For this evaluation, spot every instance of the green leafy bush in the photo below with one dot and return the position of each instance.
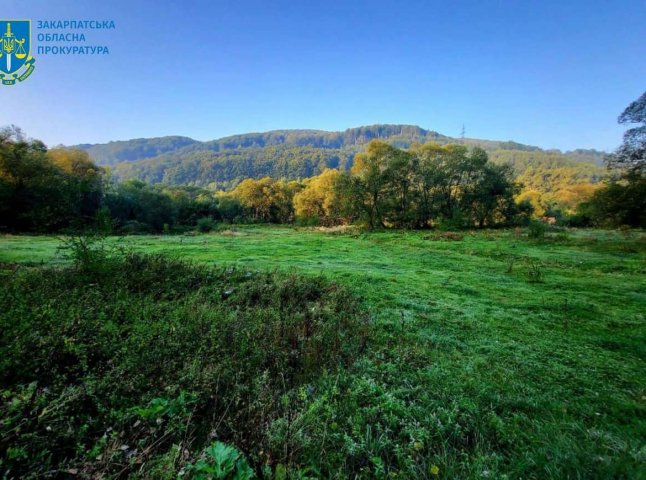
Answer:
(536, 230)
(206, 224)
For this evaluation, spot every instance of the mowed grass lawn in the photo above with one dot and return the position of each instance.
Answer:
(493, 355)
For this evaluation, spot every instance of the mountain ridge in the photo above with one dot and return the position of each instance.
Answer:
(302, 153)
(399, 134)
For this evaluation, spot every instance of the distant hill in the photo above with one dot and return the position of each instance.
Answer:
(222, 163)
(113, 153)
(225, 169)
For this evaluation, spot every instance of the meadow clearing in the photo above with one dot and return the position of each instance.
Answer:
(490, 354)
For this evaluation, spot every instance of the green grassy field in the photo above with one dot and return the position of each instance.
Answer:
(493, 355)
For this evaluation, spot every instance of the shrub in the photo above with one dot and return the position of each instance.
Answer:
(206, 224)
(90, 254)
(536, 230)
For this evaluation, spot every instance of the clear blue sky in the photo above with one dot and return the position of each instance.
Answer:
(549, 73)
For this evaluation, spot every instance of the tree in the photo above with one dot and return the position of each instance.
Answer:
(429, 183)
(623, 200)
(283, 193)
(32, 189)
(373, 171)
(267, 200)
(619, 203)
(256, 196)
(426, 179)
(444, 175)
(631, 155)
(491, 199)
(83, 182)
(401, 194)
(453, 173)
(318, 200)
(138, 207)
(229, 208)
(535, 199)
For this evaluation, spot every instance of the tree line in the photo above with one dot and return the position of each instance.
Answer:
(424, 186)
(45, 190)
(552, 181)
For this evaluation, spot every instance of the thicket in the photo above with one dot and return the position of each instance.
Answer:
(132, 365)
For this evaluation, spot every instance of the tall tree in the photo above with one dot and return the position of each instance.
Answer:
(32, 188)
(623, 200)
(491, 198)
(631, 155)
(83, 183)
(372, 170)
(318, 201)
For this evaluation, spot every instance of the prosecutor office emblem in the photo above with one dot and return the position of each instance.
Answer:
(16, 63)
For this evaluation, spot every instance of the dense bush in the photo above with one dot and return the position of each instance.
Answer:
(619, 203)
(205, 224)
(536, 230)
(126, 363)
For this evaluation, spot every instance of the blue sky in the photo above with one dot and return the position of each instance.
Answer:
(550, 73)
